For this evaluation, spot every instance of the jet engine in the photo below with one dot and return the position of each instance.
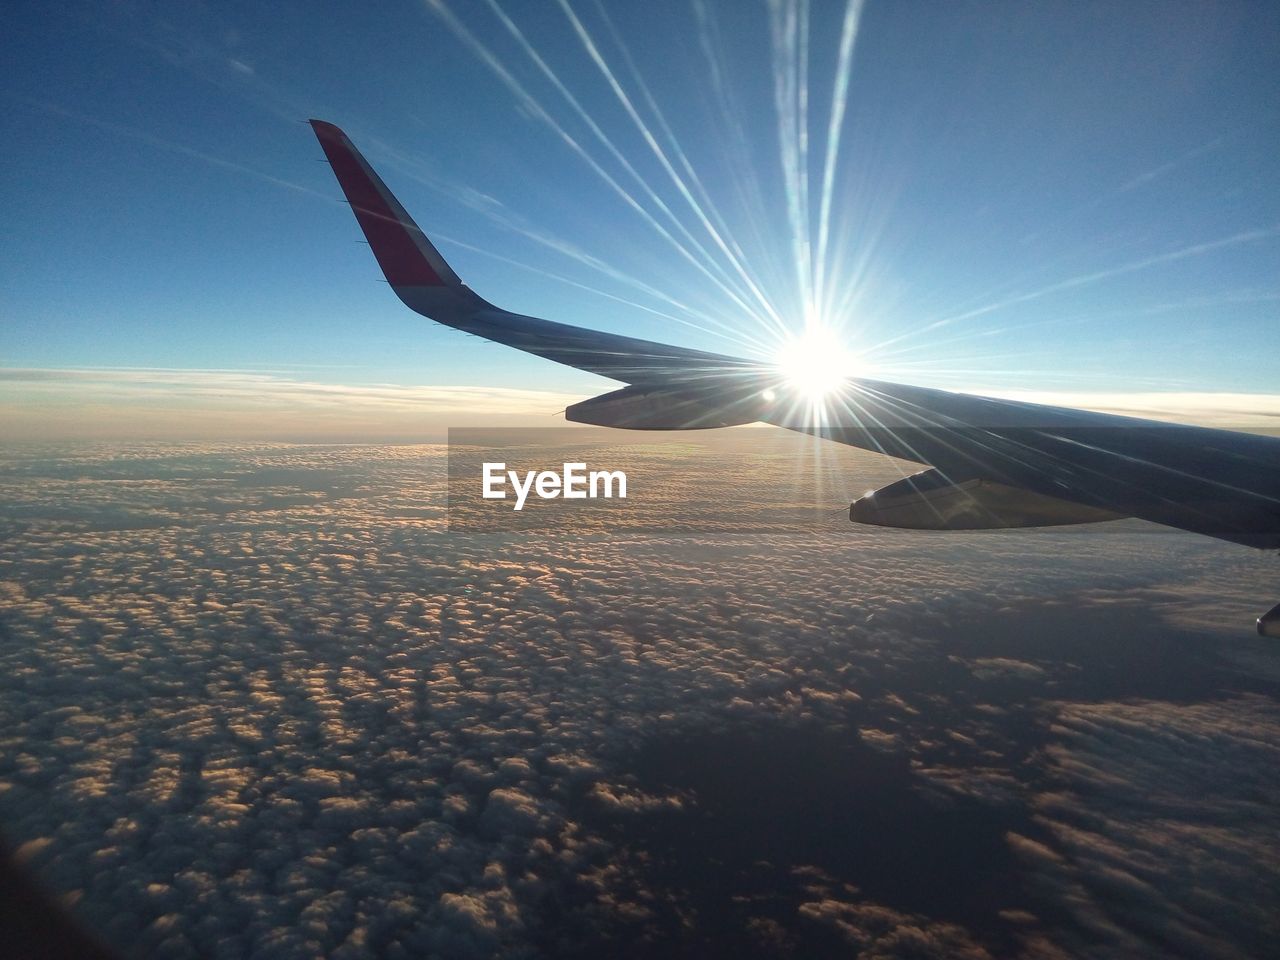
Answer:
(932, 500)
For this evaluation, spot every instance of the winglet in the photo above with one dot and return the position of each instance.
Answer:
(405, 254)
(424, 283)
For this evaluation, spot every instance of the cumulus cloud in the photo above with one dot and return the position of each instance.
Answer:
(880, 932)
(1161, 826)
(256, 700)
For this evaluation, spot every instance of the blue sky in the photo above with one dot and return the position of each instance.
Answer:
(1024, 196)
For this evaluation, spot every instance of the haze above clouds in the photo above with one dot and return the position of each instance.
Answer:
(305, 405)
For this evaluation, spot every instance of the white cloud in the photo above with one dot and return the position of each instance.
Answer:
(251, 699)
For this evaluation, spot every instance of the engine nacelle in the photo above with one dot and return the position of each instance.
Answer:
(1269, 622)
(933, 501)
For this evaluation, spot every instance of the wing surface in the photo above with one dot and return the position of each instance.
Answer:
(1221, 483)
(1216, 482)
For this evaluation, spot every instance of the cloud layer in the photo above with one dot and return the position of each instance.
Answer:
(257, 701)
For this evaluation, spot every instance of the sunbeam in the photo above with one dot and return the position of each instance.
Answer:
(788, 232)
(651, 141)
(545, 69)
(534, 106)
(717, 228)
(722, 326)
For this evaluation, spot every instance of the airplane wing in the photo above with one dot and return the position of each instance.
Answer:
(421, 278)
(993, 463)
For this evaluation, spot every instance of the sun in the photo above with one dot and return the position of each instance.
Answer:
(816, 363)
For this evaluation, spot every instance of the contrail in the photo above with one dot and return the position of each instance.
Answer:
(1156, 173)
(1247, 236)
(127, 131)
(1192, 303)
(718, 327)
(835, 125)
(788, 20)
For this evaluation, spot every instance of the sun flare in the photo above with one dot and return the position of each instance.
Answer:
(816, 363)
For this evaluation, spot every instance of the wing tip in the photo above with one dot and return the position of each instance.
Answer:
(402, 250)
